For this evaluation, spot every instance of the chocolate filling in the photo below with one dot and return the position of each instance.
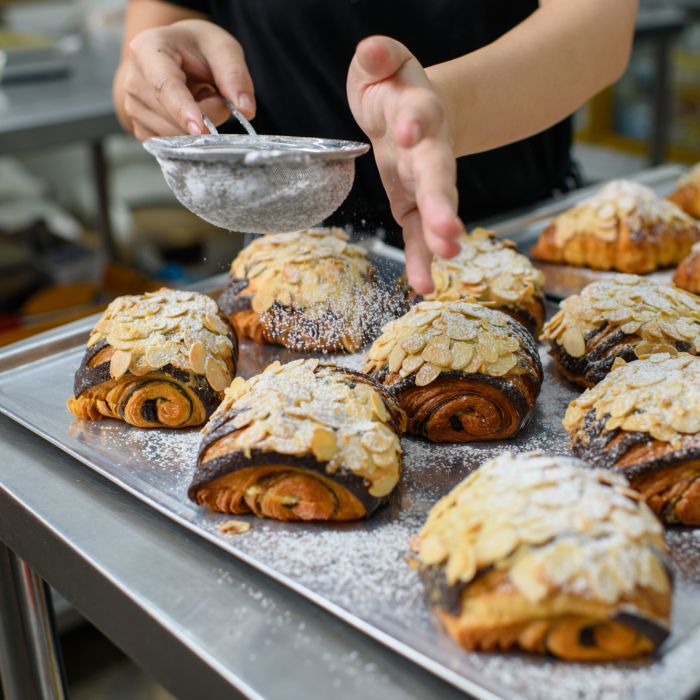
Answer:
(221, 426)
(439, 593)
(503, 385)
(586, 636)
(150, 407)
(298, 331)
(207, 472)
(605, 448)
(149, 411)
(231, 300)
(87, 377)
(597, 361)
(653, 630)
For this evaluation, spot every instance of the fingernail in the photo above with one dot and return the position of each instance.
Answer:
(246, 103)
(193, 128)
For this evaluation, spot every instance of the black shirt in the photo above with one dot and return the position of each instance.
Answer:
(298, 53)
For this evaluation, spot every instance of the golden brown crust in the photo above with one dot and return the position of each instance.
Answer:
(150, 401)
(643, 420)
(306, 290)
(490, 271)
(282, 493)
(544, 554)
(495, 616)
(322, 438)
(625, 227)
(627, 317)
(687, 274)
(462, 372)
(687, 193)
(157, 360)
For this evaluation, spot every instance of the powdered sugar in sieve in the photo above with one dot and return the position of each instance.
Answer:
(253, 183)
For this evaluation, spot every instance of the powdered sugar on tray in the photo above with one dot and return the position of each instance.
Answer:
(359, 570)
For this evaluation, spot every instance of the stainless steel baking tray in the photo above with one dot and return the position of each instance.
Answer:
(563, 280)
(357, 571)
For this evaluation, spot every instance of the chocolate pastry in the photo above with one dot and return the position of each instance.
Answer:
(159, 360)
(491, 271)
(625, 227)
(687, 274)
(628, 317)
(643, 420)
(462, 372)
(541, 553)
(308, 291)
(301, 441)
(687, 193)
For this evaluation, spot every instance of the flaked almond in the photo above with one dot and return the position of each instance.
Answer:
(198, 358)
(119, 364)
(573, 342)
(217, 374)
(427, 373)
(324, 444)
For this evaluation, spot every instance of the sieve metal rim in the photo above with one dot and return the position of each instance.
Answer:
(252, 151)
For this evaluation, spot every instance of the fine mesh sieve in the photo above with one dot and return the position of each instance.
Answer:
(254, 183)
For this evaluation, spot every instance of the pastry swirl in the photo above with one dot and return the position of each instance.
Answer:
(301, 441)
(687, 193)
(687, 274)
(462, 372)
(158, 360)
(643, 420)
(490, 271)
(624, 227)
(628, 317)
(541, 553)
(307, 291)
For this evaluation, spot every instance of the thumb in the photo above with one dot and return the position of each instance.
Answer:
(377, 58)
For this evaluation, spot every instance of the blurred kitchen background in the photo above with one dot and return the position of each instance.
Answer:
(85, 214)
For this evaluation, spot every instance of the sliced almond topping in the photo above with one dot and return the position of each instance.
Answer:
(323, 444)
(217, 374)
(119, 363)
(198, 358)
(573, 342)
(427, 373)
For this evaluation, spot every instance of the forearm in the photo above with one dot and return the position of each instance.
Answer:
(536, 74)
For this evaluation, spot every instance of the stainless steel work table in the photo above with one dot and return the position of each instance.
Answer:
(202, 623)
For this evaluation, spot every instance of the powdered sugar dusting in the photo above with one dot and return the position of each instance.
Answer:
(359, 569)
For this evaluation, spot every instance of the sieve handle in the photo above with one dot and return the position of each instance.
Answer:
(241, 119)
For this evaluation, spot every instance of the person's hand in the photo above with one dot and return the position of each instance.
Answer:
(168, 74)
(402, 114)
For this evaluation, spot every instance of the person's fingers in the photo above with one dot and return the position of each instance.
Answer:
(161, 68)
(141, 132)
(418, 256)
(415, 115)
(227, 63)
(434, 173)
(142, 114)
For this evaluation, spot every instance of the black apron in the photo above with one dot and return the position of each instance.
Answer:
(298, 53)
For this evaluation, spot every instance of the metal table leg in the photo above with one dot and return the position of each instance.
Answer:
(30, 658)
(661, 113)
(104, 222)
